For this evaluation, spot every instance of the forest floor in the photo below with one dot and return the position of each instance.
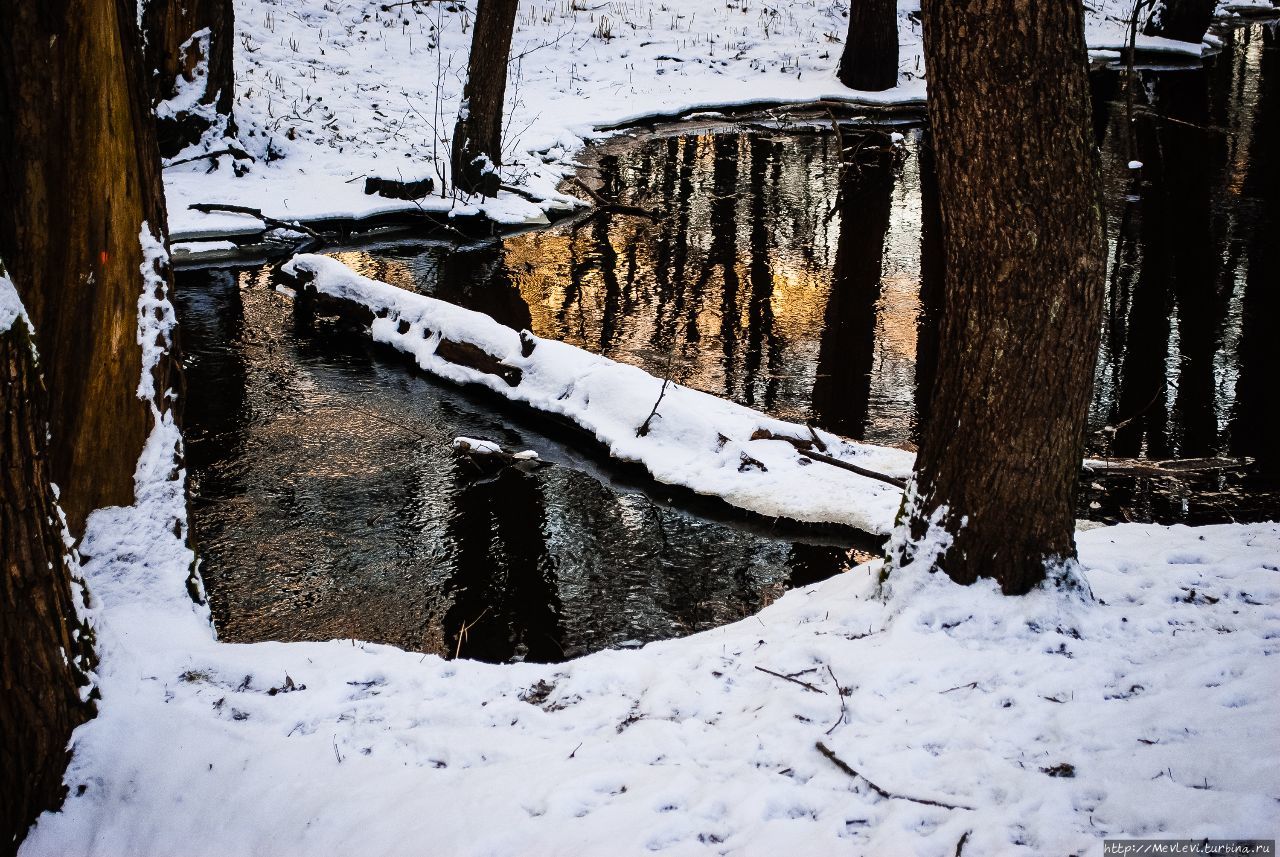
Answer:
(335, 92)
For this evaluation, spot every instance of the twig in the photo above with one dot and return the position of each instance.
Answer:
(803, 684)
(971, 685)
(462, 632)
(844, 766)
(861, 471)
(964, 837)
(643, 430)
(840, 693)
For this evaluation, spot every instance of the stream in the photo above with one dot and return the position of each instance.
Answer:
(327, 502)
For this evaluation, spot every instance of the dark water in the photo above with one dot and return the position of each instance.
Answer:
(329, 505)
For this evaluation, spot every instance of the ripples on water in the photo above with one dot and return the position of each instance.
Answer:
(329, 505)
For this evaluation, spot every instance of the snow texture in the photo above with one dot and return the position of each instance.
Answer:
(329, 93)
(697, 441)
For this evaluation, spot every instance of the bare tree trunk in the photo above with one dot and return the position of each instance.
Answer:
(1184, 20)
(477, 138)
(177, 51)
(80, 180)
(870, 58)
(45, 650)
(1019, 185)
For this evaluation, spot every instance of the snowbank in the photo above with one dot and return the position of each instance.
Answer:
(697, 441)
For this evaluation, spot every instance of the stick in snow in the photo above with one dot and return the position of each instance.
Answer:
(844, 766)
(803, 684)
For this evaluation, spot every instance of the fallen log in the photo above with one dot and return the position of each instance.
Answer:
(312, 301)
(1169, 467)
(396, 189)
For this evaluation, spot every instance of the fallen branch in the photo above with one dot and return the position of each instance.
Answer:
(803, 684)
(612, 206)
(806, 447)
(211, 207)
(234, 151)
(844, 766)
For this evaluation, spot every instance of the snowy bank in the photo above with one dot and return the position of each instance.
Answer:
(1053, 722)
(696, 441)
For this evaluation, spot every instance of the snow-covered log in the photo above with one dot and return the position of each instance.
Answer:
(697, 441)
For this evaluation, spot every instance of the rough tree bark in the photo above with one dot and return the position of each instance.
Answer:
(178, 51)
(80, 179)
(477, 137)
(1019, 186)
(47, 651)
(1184, 20)
(870, 58)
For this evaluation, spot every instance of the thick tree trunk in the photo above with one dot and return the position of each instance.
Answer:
(177, 53)
(477, 138)
(1019, 186)
(80, 180)
(1184, 20)
(45, 651)
(870, 58)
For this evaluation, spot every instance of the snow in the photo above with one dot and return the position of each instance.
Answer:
(697, 441)
(343, 90)
(11, 308)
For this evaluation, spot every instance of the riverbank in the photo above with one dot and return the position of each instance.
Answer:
(329, 96)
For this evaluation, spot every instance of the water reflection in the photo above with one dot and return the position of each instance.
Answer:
(327, 503)
(766, 284)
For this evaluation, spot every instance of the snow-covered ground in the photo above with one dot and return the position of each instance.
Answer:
(343, 89)
(1048, 722)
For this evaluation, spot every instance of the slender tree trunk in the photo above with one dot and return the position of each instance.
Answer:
(870, 58)
(178, 52)
(45, 650)
(477, 138)
(80, 180)
(1019, 185)
(1184, 20)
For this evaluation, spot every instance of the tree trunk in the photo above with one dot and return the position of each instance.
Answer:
(1184, 20)
(870, 59)
(45, 650)
(477, 138)
(1019, 185)
(80, 180)
(176, 53)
